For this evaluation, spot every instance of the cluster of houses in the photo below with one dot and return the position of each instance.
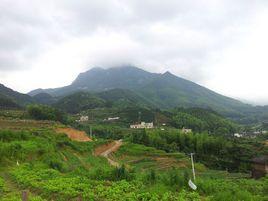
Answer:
(249, 134)
(82, 119)
(85, 119)
(142, 125)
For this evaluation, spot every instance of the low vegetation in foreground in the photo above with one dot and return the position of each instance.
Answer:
(51, 166)
(150, 165)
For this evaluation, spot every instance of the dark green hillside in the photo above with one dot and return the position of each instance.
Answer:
(44, 98)
(116, 98)
(124, 97)
(164, 91)
(79, 101)
(7, 103)
(170, 91)
(13, 97)
(201, 120)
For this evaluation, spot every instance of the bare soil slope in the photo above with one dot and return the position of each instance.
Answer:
(74, 134)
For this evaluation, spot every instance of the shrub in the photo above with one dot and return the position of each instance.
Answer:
(43, 112)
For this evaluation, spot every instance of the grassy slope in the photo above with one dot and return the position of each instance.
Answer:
(53, 167)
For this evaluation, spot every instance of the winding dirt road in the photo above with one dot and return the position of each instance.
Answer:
(106, 150)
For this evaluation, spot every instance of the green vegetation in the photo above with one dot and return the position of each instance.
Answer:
(214, 151)
(201, 120)
(153, 163)
(10, 99)
(164, 91)
(51, 166)
(79, 101)
(43, 112)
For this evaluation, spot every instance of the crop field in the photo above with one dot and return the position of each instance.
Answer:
(51, 166)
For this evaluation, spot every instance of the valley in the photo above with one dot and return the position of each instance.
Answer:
(72, 144)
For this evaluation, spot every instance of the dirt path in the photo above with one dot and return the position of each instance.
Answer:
(74, 134)
(107, 149)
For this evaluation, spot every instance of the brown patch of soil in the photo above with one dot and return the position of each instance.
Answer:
(100, 149)
(74, 134)
(106, 149)
(167, 162)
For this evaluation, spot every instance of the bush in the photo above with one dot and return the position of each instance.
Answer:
(43, 112)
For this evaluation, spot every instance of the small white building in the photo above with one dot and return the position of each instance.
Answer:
(83, 118)
(113, 118)
(238, 135)
(142, 125)
(186, 130)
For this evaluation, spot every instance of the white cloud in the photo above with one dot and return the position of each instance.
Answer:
(47, 43)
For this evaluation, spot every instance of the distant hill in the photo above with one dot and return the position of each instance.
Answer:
(79, 101)
(164, 91)
(7, 103)
(200, 120)
(125, 98)
(116, 98)
(12, 99)
(168, 91)
(44, 98)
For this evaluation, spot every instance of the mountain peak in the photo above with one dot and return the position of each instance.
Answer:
(167, 73)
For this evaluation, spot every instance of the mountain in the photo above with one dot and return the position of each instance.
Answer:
(7, 103)
(160, 90)
(125, 98)
(79, 101)
(169, 91)
(12, 99)
(44, 98)
(119, 98)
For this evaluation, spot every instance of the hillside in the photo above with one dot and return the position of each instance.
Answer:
(79, 101)
(7, 103)
(36, 157)
(160, 90)
(169, 91)
(116, 98)
(12, 99)
(44, 98)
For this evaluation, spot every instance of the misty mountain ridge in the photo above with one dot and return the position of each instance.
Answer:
(163, 90)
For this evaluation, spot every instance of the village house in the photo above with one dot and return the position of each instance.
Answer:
(186, 130)
(142, 125)
(83, 118)
(238, 135)
(113, 118)
(259, 167)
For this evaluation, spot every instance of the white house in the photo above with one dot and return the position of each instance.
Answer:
(186, 130)
(83, 118)
(113, 118)
(238, 135)
(142, 125)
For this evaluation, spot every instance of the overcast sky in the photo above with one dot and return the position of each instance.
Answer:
(220, 44)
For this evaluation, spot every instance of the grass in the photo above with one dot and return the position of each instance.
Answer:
(142, 158)
(51, 166)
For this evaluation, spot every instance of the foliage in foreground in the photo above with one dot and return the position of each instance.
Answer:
(53, 167)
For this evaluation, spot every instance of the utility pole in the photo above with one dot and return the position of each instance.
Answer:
(90, 130)
(192, 159)
(139, 117)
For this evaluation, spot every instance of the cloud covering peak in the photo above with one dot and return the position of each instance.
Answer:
(220, 44)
